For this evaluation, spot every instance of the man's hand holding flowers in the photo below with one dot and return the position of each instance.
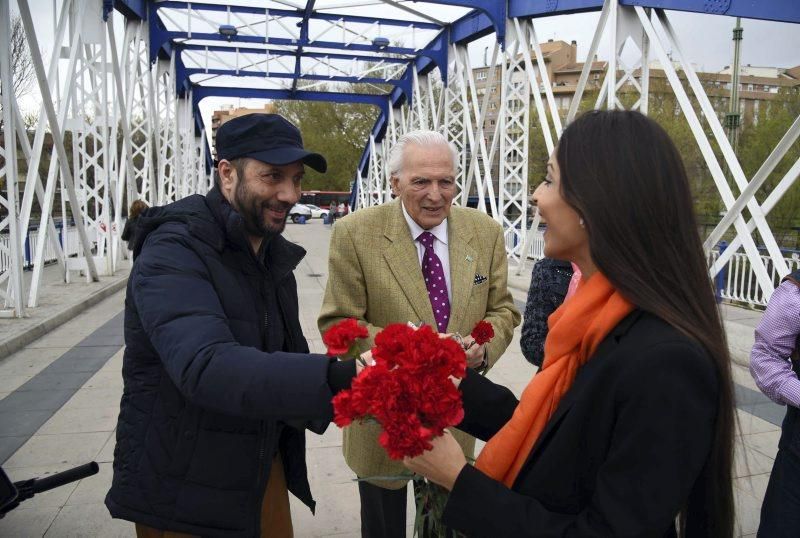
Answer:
(475, 345)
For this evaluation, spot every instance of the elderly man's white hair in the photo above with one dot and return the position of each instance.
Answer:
(418, 138)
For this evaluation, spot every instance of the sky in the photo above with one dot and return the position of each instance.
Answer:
(705, 39)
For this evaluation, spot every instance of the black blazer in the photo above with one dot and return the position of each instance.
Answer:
(622, 454)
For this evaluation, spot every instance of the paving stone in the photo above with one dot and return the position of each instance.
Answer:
(27, 523)
(748, 461)
(81, 363)
(768, 411)
(332, 437)
(89, 520)
(106, 454)
(337, 511)
(755, 485)
(745, 396)
(83, 420)
(766, 443)
(96, 397)
(22, 423)
(59, 381)
(9, 383)
(35, 400)
(103, 340)
(748, 512)
(752, 424)
(327, 466)
(30, 361)
(68, 449)
(105, 379)
(9, 445)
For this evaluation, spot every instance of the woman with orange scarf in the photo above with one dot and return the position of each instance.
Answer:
(627, 430)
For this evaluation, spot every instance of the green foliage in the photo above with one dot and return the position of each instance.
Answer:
(756, 143)
(337, 131)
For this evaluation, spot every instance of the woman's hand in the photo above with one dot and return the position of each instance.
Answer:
(442, 463)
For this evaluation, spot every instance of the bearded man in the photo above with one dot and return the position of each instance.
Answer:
(219, 386)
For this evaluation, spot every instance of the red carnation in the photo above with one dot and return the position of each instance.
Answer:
(408, 390)
(483, 332)
(339, 338)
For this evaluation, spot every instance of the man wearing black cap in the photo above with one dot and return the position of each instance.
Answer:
(218, 382)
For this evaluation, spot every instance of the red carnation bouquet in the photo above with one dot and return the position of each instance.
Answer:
(408, 390)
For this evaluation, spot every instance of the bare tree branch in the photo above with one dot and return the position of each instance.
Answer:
(22, 73)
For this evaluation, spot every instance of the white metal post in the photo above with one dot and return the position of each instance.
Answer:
(58, 141)
(514, 127)
(14, 297)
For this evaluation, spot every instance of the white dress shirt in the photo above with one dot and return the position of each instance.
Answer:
(439, 246)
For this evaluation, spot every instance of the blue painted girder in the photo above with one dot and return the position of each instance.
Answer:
(291, 76)
(201, 92)
(774, 10)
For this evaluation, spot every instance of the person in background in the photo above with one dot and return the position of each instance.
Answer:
(549, 282)
(627, 429)
(129, 231)
(775, 366)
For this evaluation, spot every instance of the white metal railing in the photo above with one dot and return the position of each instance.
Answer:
(736, 282)
(72, 247)
(535, 248)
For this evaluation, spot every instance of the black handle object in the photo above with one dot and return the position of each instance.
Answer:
(64, 477)
(26, 489)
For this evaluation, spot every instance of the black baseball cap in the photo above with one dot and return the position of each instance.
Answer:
(269, 138)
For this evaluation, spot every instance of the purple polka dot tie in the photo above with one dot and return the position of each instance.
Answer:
(433, 273)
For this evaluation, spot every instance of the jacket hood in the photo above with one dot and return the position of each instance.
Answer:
(191, 211)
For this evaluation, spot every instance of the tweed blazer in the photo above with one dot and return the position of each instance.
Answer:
(374, 276)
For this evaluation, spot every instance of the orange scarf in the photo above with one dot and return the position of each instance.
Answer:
(576, 328)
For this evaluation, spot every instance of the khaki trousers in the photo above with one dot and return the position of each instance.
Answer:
(276, 518)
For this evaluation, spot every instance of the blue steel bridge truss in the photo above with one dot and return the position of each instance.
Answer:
(409, 59)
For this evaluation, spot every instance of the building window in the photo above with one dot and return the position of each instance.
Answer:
(491, 122)
(481, 75)
(596, 76)
(492, 106)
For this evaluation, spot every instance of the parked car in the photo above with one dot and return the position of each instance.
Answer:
(316, 212)
(299, 210)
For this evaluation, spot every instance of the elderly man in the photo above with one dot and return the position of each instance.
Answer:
(415, 259)
(218, 382)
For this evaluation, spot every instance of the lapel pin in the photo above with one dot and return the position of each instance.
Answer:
(469, 258)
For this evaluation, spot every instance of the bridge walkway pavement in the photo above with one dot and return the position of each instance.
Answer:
(60, 391)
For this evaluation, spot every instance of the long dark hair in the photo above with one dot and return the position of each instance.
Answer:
(621, 172)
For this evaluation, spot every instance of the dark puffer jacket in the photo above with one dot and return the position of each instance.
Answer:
(213, 385)
(549, 283)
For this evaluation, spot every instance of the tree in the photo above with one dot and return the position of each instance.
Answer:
(22, 72)
(336, 130)
(756, 143)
